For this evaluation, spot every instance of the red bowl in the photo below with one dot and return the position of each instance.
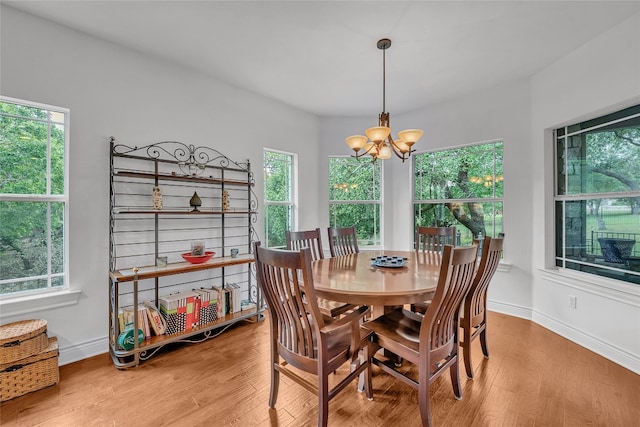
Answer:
(198, 259)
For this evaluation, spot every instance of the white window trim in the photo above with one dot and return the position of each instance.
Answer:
(16, 304)
(37, 301)
(294, 185)
(505, 266)
(364, 202)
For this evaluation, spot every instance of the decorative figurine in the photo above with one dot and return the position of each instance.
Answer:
(195, 202)
(157, 198)
(225, 200)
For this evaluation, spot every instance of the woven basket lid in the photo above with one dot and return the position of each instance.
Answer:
(22, 330)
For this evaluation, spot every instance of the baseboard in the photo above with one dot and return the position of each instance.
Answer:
(510, 309)
(604, 349)
(82, 351)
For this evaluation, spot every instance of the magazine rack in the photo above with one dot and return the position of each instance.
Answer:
(164, 197)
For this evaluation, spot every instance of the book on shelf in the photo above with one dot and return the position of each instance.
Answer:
(235, 297)
(208, 305)
(143, 321)
(223, 300)
(178, 311)
(197, 302)
(156, 321)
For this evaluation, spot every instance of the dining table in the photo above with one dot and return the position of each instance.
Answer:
(377, 279)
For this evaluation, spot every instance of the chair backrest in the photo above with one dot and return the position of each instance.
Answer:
(286, 280)
(476, 300)
(343, 241)
(434, 238)
(311, 239)
(440, 323)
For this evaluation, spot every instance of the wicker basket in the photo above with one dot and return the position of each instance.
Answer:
(30, 374)
(22, 339)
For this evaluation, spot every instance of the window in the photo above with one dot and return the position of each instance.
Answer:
(279, 199)
(355, 198)
(33, 197)
(460, 187)
(597, 201)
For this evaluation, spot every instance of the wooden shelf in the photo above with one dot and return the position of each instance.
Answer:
(152, 271)
(185, 178)
(120, 355)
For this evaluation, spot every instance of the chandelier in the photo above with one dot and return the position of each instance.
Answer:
(378, 143)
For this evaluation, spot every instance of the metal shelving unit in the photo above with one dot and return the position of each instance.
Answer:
(143, 235)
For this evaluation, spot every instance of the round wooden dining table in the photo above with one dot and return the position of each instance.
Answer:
(353, 279)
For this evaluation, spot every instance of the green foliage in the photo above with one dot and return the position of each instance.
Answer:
(278, 217)
(353, 180)
(32, 153)
(450, 185)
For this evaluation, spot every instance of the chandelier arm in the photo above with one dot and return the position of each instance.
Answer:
(395, 150)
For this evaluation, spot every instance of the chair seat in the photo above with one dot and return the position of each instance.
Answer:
(421, 307)
(333, 308)
(400, 327)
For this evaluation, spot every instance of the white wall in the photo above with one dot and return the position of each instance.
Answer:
(600, 77)
(498, 113)
(139, 100)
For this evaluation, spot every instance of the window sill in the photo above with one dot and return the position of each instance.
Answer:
(39, 302)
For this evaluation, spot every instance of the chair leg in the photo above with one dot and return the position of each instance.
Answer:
(275, 385)
(323, 399)
(423, 403)
(466, 351)
(483, 341)
(366, 358)
(275, 375)
(455, 379)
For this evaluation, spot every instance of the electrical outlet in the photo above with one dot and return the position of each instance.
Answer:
(573, 301)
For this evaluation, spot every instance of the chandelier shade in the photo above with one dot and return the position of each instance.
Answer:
(378, 142)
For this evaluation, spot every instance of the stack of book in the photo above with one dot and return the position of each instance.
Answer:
(179, 311)
(207, 300)
(149, 320)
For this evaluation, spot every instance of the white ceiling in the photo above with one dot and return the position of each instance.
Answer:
(321, 56)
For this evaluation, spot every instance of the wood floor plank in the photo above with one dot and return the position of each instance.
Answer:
(532, 378)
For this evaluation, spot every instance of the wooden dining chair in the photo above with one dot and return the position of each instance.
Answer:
(343, 241)
(301, 339)
(429, 342)
(311, 239)
(474, 312)
(434, 238)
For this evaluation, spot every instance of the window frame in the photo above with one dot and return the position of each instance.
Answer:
(46, 198)
(560, 260)
(293, 191)
(441, 201)
(379, 203)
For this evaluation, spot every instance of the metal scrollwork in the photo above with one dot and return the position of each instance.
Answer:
(191, 160)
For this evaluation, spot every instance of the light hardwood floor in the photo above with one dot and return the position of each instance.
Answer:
(533, 378)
